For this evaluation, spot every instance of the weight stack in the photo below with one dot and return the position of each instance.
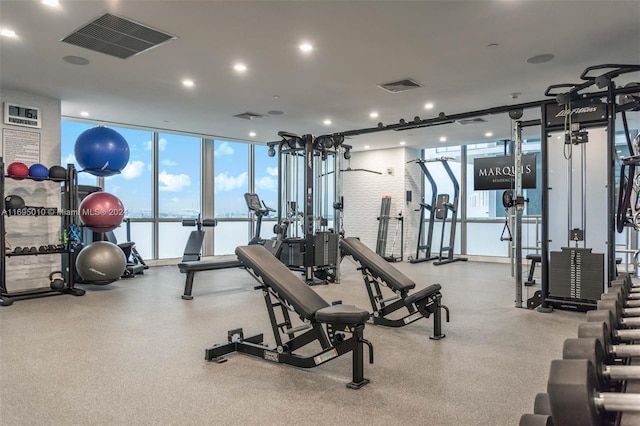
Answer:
(576, 273)
(325, 249)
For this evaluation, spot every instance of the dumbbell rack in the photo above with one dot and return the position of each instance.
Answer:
(7, 297)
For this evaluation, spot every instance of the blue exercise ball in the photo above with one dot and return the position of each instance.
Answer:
(102, 151)
(38, 171)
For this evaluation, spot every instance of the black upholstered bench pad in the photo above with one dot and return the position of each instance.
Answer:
(536, 257)
(421, 294)
(345, 314)
(376, 264)
(305, 301)
(208, 265)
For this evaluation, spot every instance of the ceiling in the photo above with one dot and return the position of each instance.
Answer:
(447, 46)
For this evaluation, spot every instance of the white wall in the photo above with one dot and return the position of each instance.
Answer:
(32, 271)
(363, 194)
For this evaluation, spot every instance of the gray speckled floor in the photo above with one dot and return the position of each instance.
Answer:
(132, 353)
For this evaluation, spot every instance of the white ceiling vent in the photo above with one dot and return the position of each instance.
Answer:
(116, 36)
(400, 86)
(249, 115)
(466, 121)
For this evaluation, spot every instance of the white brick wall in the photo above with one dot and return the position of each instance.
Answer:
(32, 271)
(363, 194)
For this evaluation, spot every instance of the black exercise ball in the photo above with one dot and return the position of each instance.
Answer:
(57, 172)
(13, 202)
(101, 262)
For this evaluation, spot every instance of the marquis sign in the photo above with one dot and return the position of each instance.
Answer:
(499, 172)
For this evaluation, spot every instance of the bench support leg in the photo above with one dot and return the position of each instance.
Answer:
(188, 286)
(358, 360)
(437, 321)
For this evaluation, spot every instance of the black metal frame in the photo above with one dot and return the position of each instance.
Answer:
(7, 297)
(453, 208)
(382, 307)
(289, 339)
(432, 215)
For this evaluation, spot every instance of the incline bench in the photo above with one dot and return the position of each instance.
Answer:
(191, 262)
(282, 288)
(376, 272)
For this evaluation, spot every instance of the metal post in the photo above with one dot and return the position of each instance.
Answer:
(518, 212)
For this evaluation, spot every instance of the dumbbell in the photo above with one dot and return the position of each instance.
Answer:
(536, 420)
(625, 281)
(620, 297)
(608, 339)
(612, 321)
(576, 397)
(593, 351)
(627, 293)
(617, 309)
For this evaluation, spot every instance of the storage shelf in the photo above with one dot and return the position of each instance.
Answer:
(69, 191)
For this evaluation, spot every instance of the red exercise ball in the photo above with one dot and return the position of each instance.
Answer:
(101, 212)
(18, 169)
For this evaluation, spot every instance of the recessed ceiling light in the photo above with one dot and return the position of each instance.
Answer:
(428, 105)
(84, 114)
(327, 122)
(276, 96)
(403, 143)
(252, 134)
(559, 137)
(367, 147)
(443, 139)
(52, 3)
(373, 114)
(306, 47)
(488, 134)
(5, 32)
(188, 83)
(540, 59)
(240, 67)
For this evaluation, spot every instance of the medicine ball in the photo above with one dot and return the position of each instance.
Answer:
(101, 262)
(57, 172)
(18, 170)
(13, 202)
(38, 171)
(101, 151)
(101, 212)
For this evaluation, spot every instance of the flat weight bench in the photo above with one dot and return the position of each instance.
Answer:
(191, 262)
(190, 268)
(282, 288)
(377, 272)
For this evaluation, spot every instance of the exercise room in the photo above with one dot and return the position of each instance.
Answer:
(320, 212)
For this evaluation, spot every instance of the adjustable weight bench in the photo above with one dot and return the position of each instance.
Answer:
(191, 262)
(282, 289)
(377, 272)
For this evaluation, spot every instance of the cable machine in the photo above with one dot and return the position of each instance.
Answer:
(577, 110)
(310, 203)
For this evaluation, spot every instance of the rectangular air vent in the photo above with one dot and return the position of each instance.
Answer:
(116, 36)
(400, 86)
(466, 121)
(249, 115)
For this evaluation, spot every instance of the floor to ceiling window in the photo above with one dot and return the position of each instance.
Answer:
(230, 183)
(178, 190)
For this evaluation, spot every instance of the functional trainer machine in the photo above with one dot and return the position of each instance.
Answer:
(438, 211)
(328, 325)
(309, 177)
(376, 273)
